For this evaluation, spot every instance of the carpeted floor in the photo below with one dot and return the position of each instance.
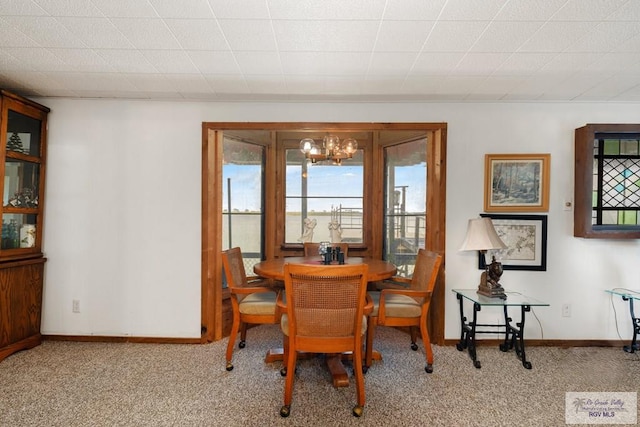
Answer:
(99, 384)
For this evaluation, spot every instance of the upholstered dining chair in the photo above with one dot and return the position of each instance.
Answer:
(407, 305)
(325, 313)
(253, 302)
(311, 248)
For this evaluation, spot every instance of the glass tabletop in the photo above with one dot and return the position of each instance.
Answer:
(513, 299)
(626, 293)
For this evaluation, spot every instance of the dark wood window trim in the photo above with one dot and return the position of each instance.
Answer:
(583, 185)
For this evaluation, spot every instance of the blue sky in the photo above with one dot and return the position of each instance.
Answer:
(334, 181)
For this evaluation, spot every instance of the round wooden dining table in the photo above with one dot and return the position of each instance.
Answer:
(274, 269)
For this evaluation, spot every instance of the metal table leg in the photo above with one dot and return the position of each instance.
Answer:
(514, 335)
(468, 332)
(631, 348)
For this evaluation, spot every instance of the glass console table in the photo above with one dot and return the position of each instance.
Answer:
(513, 334)
(630, 295)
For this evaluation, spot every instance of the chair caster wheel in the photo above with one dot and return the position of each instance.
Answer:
(229, 366)
(285, 411)
(365, 369)
(414, 346)
(428, 369)
(283, 372)
(358, 411)
(242, 344)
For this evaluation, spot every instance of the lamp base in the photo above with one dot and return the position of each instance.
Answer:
(492, 292)
(489, 289)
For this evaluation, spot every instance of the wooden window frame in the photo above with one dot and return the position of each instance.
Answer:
(583, 185)
(212, 292)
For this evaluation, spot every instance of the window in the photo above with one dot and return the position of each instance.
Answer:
(318, 193)
(242, 199)
(607, 191)
(405, 202)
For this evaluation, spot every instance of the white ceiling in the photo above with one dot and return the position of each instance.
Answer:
(323, 50)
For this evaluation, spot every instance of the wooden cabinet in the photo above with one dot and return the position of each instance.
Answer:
(23, 126)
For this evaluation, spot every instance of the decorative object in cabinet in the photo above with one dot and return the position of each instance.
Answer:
(23, 127)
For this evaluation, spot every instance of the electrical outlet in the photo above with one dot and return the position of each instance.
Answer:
(75, 307)
(566, 310)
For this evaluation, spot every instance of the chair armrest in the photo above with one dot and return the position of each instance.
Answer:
(368, 305)
(281, 301)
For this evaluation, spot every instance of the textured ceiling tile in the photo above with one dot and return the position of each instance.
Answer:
(148, 82)
(326, 36)
(21, 8)
(126, 8)
(127, 61)
(189, 83)
(450, 36)
(37, 59)
(46, 31)
(69, 7)
(529, 10)
(436, 63)
(480, 63)
(525, 63)
(8, 62)
(505, 36)
(259, 63)
(197, 9)
(402, 36)
(93, 81)
(606, 36)
(10, 37)
(227, 83)
(571, 61)
(610, 88)
(390, 63)
(250, 9)
(249, 35)
(146, 33)
(556, 36)
(171, 61)
(587, 10)
(410, 10)
(327, 9)
(83, 60)
(96, 32)
(465, 10)
(267, 84)
(630, 11)
(325, 63)
(214, 62)
(204, 34)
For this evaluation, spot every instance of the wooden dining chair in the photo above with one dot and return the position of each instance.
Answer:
(311, 248)
(407, 305)
(253, 302)
(325, 313)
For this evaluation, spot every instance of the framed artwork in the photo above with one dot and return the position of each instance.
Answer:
(516, 182)
(526, 240)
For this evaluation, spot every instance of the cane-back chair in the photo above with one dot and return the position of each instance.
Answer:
(407, 305)
(253, 302)
(325, 313)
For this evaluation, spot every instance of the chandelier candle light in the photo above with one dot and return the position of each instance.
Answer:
(482, 236)
(332, 149)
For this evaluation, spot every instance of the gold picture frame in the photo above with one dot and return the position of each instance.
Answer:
(516, 182)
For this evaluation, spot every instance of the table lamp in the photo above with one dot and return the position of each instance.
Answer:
(482, 236)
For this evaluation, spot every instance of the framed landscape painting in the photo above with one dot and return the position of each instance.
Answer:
(516, 182)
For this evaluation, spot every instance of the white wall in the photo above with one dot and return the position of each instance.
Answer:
(122, 225)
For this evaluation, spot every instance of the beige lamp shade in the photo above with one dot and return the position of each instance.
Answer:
(481, 236)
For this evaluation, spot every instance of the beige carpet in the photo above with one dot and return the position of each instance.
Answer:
(98, 384)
